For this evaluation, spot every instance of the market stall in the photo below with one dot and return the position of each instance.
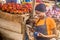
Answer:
(15, 15)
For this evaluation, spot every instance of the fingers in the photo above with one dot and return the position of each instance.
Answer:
(38, 34)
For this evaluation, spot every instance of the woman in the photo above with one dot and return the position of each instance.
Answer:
(45, 27)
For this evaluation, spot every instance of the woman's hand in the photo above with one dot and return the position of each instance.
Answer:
(40, 35)
(46, 36)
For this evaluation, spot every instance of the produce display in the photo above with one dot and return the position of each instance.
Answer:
(17, 8)
(58, 4)
(54, 12)
(0, 5)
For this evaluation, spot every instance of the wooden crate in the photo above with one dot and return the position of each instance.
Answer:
(11, 17)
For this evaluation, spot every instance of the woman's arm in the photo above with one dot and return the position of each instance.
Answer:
(53, 29)
(54, 35)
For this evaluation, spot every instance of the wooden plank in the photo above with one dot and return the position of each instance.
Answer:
(11, 17)
(11, 35)
(11, 26)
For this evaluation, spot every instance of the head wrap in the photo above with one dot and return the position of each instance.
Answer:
(41, 8)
